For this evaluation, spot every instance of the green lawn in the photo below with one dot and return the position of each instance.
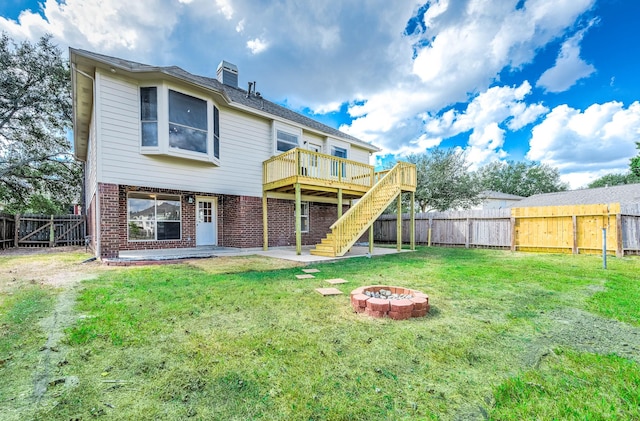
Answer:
(509, 336)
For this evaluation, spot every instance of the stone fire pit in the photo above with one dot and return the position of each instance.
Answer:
(395, 302)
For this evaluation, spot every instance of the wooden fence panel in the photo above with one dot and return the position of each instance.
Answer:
(7, 231)
(42, 230)
(566, 229)
(555, 229)
(472, 228)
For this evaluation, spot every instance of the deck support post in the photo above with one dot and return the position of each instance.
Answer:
(265, 223)
(399, 224)
(371, 240)
(339, 203)
(298, 221)
(412, 233)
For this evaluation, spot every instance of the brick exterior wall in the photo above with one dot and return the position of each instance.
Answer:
(91, 223)
(243, 222)
(109, 220)
(239, 221)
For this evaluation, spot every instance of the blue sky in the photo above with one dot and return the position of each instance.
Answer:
(548, 80)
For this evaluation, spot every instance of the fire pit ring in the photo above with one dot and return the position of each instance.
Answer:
(387, 301)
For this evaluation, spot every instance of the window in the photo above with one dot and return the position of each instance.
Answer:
(187, 122)
(174, 123)
(149, 116)
(338, 170)
(286, 141)
(153, 217)
(304, 217)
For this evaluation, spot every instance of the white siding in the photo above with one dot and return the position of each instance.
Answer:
(359, 154)
(245, 142)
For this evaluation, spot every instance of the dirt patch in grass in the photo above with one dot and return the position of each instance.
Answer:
(586, 332)
(237, 264)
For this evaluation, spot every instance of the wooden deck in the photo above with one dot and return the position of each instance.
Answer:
(320, 177)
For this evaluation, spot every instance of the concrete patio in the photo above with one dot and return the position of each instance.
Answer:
(287, 253)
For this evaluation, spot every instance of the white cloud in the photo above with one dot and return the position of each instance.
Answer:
(327, 108)
(569, 67)
(256, 46)
(483, 117)
(464, 48)
(104, 25)
(582, 144)
(240, 26)
(224, 7)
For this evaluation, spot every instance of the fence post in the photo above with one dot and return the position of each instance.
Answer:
(399, 224)
(513, 234)
(574, 220)
(467, 233)
(16, 230)
(619, 239)
(429, 232)
(52, 233)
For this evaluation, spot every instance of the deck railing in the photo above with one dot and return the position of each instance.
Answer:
(317, 168)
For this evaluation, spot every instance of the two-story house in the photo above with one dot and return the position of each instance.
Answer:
(176, 160)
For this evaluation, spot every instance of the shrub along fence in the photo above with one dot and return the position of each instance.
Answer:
(42, 230)
(556, 229)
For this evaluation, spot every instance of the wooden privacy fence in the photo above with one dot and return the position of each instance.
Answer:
(42, 230)
(559, 229)
(7, 231)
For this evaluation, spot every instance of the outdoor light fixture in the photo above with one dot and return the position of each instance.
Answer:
(190, 199)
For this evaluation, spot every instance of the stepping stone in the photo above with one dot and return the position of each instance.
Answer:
(311, 270)
(306, 276)
(337, 281)
(328, 291)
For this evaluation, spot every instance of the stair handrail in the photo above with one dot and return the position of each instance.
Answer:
(401, 175)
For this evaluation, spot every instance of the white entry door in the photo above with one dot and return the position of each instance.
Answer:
(313, 164)
(206, 212)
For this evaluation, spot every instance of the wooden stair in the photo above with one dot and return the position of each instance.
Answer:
(355, 222)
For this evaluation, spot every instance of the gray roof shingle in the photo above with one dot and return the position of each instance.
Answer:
(624, 194)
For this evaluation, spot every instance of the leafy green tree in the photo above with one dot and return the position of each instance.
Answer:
(608, 180)
(635, 164)
(444, 180)
(523, 178)
(37, 170)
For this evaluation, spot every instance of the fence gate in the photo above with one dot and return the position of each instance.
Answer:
(48, 231)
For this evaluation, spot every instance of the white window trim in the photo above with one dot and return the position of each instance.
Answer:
(163, 147)
(304, 215)
(292, 130)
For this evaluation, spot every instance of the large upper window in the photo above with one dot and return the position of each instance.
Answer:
(187, 122)
(182, 127)
(153, 217)
(286, 141)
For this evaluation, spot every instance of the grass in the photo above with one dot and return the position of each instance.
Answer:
(243, 339)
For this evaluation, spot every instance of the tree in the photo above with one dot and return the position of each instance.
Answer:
(524, 178)
(37, 170)
(635, 163)
(608, 180)
(444, 180)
